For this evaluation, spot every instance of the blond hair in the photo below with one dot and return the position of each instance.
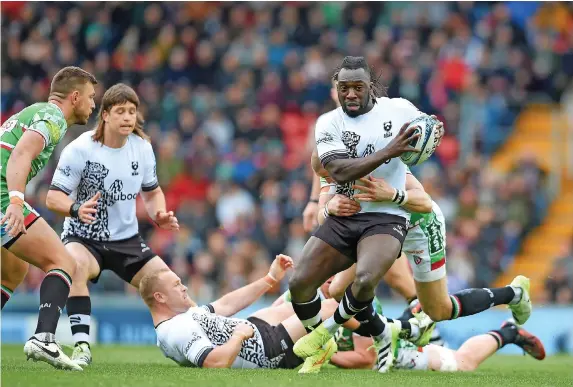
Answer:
(118, 94)
(149, 284)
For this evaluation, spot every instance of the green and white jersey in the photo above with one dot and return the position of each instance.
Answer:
(45, 118)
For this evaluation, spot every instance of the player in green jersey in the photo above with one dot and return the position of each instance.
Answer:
(27, 141)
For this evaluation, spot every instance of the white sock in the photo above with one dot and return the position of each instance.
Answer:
(414, 332)
(518, 293)
(331, 325)
(382, 335)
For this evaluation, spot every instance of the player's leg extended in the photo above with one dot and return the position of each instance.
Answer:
(13, 273)
(426, 251)
(79, 305)
(41, 247)
(439, 305)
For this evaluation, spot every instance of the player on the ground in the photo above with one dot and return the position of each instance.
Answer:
(353, 350)
(207, 337)
(28, 139)
(98, 178)
(363, 136)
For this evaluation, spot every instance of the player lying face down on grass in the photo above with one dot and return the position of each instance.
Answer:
(205, 336)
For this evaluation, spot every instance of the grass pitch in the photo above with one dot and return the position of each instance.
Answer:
(145, 367)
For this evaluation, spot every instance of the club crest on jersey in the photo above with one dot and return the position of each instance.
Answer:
(134, 166)
(388, 128)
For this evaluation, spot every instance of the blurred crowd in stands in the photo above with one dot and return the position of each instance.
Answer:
(230, 93)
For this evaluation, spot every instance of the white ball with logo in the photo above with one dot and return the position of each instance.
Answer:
(426, 143)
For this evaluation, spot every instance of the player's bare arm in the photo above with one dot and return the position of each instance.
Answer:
(223, 356)
(156, 209)
(241, 298)
(359, 358)
(413, 199)
(17, 170)
(345, 170)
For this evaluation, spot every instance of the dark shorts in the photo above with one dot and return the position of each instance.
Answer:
(345, 232)
(277, 341)
(124, 257)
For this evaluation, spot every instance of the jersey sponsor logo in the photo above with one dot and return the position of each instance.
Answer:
(92, 181)
(326, 138)
(65, 170)
(388, 128)
(414, 251)
(134, 166)
(8, 126)
(194, 338)
(434, 233)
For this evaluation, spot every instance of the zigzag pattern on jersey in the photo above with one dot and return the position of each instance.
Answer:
(91, 182)
(220, 329)
(351, 141)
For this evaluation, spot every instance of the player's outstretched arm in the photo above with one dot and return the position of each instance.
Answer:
(239, 299)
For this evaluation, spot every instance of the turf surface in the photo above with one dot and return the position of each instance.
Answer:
(145, 367)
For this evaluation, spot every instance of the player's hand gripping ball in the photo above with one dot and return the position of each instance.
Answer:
(429, 128)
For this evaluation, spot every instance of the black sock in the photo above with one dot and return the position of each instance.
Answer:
(54, 292)
(6, 294)
(370, 322)
(79, 311)
(309, 313)
(505, 335)
(472, 301)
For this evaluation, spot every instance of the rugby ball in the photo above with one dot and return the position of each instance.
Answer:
(426, 143)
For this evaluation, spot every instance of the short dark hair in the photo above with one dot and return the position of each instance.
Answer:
(359, 62)
(68, 80)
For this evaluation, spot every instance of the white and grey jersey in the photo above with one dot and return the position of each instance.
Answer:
(189, 337)
(119, 174)
(340, 136)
